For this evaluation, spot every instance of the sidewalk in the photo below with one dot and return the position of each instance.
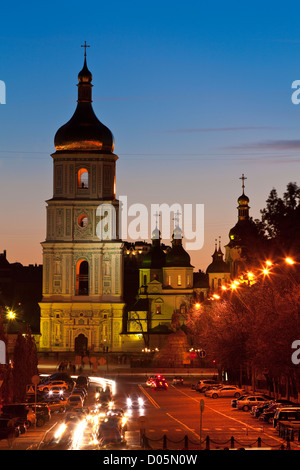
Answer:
(51, 365)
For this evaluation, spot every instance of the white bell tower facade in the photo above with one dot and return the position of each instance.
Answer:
(82, 304)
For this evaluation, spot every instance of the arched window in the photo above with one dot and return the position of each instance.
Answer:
(82, 278)
(82, 221)
(83, 178)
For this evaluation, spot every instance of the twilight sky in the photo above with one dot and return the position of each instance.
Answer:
(196, 93)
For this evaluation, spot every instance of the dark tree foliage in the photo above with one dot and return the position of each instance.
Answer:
(25, 364)
(5, 371)
(280, 221)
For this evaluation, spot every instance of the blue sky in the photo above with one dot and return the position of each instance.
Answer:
(195, 93)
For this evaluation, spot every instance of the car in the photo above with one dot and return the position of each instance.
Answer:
(159, 383)
(225, 391)
(291, 413)
(135, 401)
(150, 380)
(246, 403)
(60, 376)
(80, 391)
(17, 412)
(109, 433)
(204, 384)
(57, 404)
(235, 400)
(38, 413)
(178, 380)
(120, 418)
(56, 392)
(75, 401)
(46, 387)
(82, 381)
(257, 410)
(8, 428)
(22, 412)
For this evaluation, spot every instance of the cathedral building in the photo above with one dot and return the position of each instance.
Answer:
(86, 265)
(82, 299)
(165, 289)
(240, 252)
(218, 271)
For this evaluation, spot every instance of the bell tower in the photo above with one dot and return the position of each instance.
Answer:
(82, 253)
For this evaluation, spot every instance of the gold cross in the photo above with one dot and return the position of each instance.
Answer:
(85, 46)
(243, 178)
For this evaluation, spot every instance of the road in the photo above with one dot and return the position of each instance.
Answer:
(175, 413)
(171, 420)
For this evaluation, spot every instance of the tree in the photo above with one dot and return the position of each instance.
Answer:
(251, 330)
(5, 371)
(25, 364)
(280, 221)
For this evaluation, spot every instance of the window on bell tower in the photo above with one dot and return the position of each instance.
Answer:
(82, 277)
(83, 179)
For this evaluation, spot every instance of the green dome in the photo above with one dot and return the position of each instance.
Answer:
(177, 256)
(155, 258)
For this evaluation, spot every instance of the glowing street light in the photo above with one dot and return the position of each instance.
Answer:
(11, 315)
(289, 261)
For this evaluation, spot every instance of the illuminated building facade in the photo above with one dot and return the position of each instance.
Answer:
(82, 303)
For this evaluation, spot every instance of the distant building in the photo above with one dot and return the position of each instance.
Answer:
(20, 293)
(243, 238)
(165, 289)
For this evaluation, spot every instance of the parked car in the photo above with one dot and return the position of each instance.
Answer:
(43, 414)
(225, 391)
(235, 400)
(178, 380)
(291, 413)
(19, 412)
(257, 410)
(246, 403)
(203, 385)
(8, 428)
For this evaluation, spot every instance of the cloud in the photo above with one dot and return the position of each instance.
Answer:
(216, 129)
(277, 145)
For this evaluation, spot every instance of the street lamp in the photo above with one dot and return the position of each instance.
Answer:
(11, 315)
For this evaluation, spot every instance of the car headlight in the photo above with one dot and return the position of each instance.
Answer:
(141, 401)
(129, 402)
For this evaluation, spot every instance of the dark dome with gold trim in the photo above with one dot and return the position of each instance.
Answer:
(177, 256)
(84, 131)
